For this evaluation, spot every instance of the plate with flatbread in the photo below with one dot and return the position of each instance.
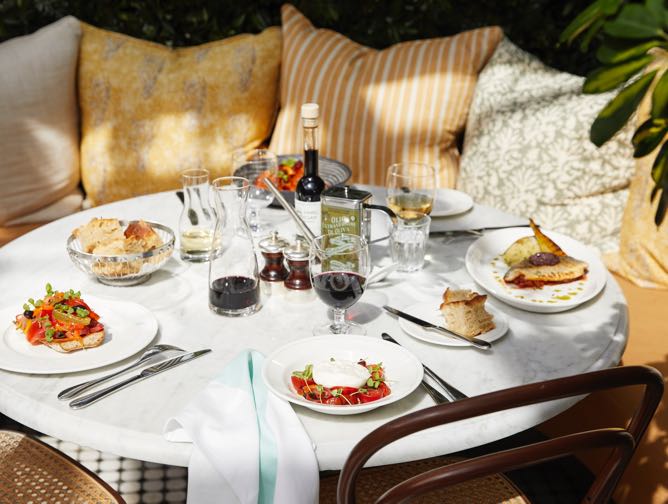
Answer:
(539, 271)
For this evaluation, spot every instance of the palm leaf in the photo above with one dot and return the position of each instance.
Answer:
(648, 136)
(635, 21)
(583, 21)
(615, 114)
(660, 98)
(614, 51)
(660, 167)
(607, 78)
(661, 208)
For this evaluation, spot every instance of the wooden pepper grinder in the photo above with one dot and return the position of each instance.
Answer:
(297, 256)
(274, 272)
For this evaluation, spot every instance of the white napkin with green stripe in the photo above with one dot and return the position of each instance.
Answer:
(248, 445)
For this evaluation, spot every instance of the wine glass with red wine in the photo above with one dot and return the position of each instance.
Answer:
(340, 264)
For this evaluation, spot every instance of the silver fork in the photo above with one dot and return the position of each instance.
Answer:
(75, 390)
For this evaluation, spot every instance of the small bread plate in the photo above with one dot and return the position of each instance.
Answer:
(450, 202)
(484, 262)
(432, 314)
(129, 327)
(403, 371)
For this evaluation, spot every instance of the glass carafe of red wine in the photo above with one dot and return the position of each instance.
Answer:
(234, 282)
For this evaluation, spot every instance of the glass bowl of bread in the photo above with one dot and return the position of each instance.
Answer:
(119, 252)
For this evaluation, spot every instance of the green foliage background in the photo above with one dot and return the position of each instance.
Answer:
(534, 25)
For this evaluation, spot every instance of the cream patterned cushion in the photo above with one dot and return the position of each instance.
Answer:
(148, 112)
(527, 150)
(39, 133)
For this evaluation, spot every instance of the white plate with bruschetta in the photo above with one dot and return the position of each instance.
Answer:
(128, 328)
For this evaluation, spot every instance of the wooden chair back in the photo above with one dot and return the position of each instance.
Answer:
(622, 441)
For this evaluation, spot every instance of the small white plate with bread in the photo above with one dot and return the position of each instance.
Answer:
(466, 314)
(129, 328)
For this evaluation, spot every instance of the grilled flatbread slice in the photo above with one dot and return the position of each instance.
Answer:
(545, 268)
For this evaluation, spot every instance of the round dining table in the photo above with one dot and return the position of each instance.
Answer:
(130, 423)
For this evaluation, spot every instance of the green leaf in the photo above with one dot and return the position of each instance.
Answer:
(660, 167)
(591, 33)
(635, 21)
(655, 7)
(610, 7)
(648, 136)
(609, 77)
(661, 208)
(616, 51)
(660, 98)
(615, 114)
(583, 21)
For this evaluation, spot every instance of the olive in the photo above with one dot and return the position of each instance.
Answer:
(59, 335)
(28, 314)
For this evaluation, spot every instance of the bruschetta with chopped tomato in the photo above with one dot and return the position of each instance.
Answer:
(60, 320)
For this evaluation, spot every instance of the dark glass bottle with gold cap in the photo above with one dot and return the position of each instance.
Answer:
(310, 186)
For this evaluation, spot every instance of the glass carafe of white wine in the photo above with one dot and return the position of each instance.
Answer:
(197, 224)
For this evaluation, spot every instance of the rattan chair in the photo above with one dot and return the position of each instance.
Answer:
(33, 472)
(478, 479)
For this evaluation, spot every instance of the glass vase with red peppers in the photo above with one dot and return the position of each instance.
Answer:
(339, 265)
(374, 389)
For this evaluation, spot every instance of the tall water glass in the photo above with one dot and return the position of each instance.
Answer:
(339, 264)
(408, 242)
(198, 219)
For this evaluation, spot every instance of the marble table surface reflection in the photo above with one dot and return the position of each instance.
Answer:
(130, 423)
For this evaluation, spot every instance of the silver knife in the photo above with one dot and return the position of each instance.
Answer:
(89, 399)
(478, 343)
(453, 394)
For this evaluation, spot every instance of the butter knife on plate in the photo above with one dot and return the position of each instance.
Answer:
(478, 343)
(89, 399)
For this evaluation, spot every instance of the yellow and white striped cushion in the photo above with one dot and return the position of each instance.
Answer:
(408, 102)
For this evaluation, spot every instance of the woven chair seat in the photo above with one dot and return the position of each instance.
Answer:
(374, 481)
(33, 472)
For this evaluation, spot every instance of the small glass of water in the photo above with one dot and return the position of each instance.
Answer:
(408, 242)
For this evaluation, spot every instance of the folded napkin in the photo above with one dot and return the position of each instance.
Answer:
(248, 445)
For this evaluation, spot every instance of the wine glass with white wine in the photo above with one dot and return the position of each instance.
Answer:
(411, 188)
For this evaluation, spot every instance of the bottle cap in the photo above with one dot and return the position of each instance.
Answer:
(310, 111)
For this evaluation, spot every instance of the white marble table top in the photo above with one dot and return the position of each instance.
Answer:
(130, 423)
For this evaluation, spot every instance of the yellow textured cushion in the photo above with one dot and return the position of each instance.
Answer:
(643, 247)
(149, 112)
(408, 102)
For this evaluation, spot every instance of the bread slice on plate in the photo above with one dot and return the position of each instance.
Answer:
(88, 341)
(464, 312)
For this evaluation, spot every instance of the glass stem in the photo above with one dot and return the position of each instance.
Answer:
(339, 321)
(253, 217)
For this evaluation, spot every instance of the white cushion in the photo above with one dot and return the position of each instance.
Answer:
(527, 150)
(39, 135)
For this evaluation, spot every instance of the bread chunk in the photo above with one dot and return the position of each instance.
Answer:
(464, 312)
(97, 232)
(142, 231)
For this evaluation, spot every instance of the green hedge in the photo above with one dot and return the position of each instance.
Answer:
(534, 25)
